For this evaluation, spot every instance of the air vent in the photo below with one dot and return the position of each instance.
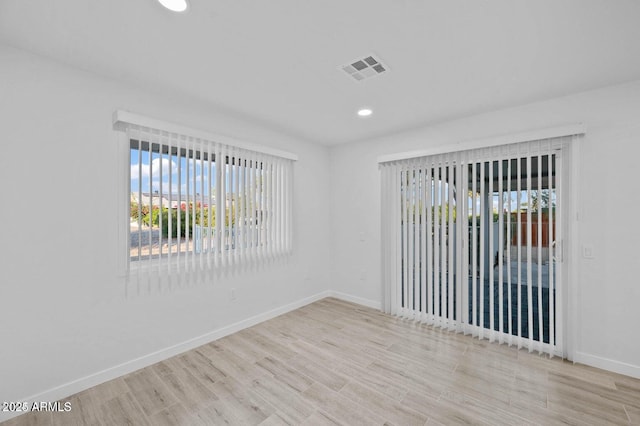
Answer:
(364, 68)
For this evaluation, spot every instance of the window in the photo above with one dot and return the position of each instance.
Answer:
(195, 203)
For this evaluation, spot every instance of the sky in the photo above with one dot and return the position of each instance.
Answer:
(179, 174)
(172, 171)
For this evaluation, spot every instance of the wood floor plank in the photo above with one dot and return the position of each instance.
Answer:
(585, 405)
(33, 418)
(338, 409)
(232, 365)
(634, 415)
(483, 410)
(357, 327)
(244, 403)
(626, 382)
(289, 403)
(432, 422)
(416, 367)
(283, 372)
(149, 391)
(86, 405)
(276, 419)
(483, 387)
(318, 372)
(321, 316)
(239, 344)
(84, 411)
(567, 368)
(320, 353)
(346, 349)
(303, 325)
(105, 391)
(379, 381)
(123, 410)
(543, 416)
(353, 371)
(269, 347)
(401, 377)
(441, 412)
(629, 396)
(189, 391)
(454, 408)
(278, 332)
(175, 415)
(221, 412)
(201, 366)
(318, 418)
(491, 365)
(384, 407)
(531, 393)
(596, 394)
(493, 396)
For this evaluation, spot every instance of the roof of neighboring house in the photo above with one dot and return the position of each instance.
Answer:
(173, 197)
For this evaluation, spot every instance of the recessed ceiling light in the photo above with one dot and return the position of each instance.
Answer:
(175, 5)
(364, 112)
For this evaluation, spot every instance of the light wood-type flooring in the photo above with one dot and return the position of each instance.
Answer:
(334, 362)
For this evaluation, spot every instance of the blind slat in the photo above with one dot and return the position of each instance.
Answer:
(474, 245)
(551, 246)
(482, 250)
(539, 245)
(430, 244)
(500, 252)
(559, 247)
(490, 254)
(509, 236)
(519, 280)
(529, 257)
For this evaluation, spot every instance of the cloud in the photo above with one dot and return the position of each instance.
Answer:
(135, 171)
(168, 167)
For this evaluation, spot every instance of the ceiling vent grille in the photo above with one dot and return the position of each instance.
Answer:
(364, 68)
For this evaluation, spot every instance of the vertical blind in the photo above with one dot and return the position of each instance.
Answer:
(200, 205)
(471, 241)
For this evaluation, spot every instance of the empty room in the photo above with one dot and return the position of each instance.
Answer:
(344, 213)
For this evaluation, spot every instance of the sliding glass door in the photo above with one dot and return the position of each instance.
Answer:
(472, 241)
(512, 232)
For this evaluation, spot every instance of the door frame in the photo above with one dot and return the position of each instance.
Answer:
(570, 243)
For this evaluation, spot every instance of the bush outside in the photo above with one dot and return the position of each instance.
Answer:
(185, 217)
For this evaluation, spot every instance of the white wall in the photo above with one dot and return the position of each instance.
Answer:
(608, 285)
(63, 314)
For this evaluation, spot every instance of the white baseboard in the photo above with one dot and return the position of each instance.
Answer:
(375, 304)
(111, 373)
(608, 364)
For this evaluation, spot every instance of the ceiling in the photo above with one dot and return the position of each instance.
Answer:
(278, 62)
